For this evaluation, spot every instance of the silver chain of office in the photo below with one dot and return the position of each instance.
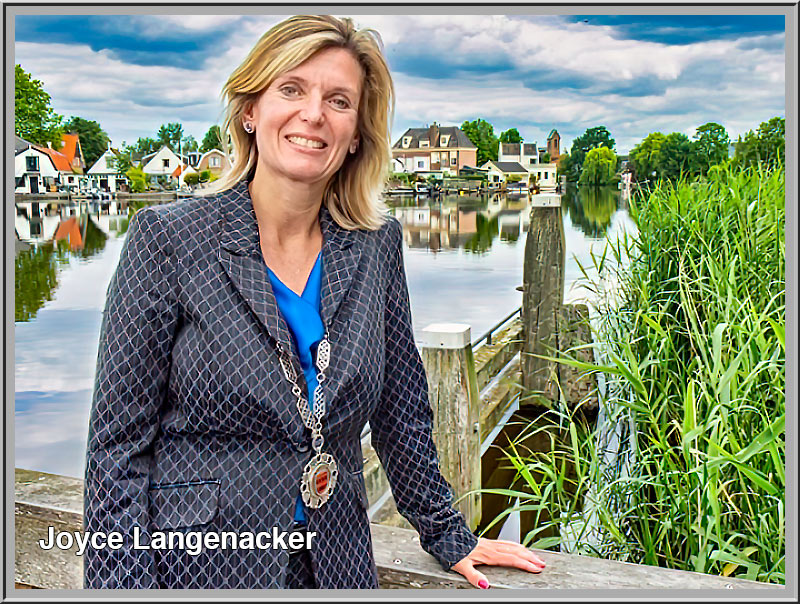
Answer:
(322, 465)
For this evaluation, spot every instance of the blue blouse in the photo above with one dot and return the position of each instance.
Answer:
(305, 324)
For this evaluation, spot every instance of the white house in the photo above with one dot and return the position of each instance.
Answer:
(529, 156)
(545, 176)
(34, 170)
(162, 163)
(499, 171)
(104, 175)
(525, 154)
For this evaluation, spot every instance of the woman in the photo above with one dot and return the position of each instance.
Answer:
(226, 312)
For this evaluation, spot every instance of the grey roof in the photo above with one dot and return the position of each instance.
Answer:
(457, 138)
(529, 149)
(20, 145)
(509, 166)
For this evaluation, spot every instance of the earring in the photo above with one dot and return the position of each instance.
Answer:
(354, 147)
(248, 127)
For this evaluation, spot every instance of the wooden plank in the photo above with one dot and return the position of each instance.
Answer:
(498, 396)
(400, 560)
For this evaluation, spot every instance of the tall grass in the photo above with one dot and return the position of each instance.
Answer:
(694, 352)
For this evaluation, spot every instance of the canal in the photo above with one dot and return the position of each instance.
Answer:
(463, 259)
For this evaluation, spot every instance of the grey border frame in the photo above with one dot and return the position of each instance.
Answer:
(789, 10)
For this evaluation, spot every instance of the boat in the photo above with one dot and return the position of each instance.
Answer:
(400, 191)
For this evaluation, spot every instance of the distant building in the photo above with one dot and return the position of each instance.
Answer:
(213, 160)
(71, 148)
(34, 170)
(526, 154)
(439, 149)
(162, 163)
(105, 176)
(499, 171)
(554, 145)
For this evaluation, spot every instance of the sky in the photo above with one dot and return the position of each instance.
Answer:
(633, 74)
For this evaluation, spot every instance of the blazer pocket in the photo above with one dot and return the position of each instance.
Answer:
(186, 504)
(356, 480)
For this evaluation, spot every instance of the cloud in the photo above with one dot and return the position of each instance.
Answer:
(533, 72)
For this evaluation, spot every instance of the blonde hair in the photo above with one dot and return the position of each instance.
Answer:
(352, 195)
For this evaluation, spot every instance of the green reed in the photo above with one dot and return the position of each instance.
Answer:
(693, 339)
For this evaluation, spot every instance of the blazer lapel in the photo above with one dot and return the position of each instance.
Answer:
(240, 256)
(341, 252)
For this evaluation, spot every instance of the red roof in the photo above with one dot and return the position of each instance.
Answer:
(60, 160)
(177, 171)
(69, 146)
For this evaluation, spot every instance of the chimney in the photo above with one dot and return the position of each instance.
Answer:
(433, 134)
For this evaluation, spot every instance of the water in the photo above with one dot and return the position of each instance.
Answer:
(463, 260)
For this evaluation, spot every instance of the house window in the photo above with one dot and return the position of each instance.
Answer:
(453, 160)
(533, 161)
(424, 144)
(165, 163)
(435, 157)
(109, 163)
(20, 182)
(420, 163)
(213, 161)
(32, 163)
(406, 142)
(444, 139)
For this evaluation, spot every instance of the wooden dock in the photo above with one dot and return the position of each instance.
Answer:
(43, 500)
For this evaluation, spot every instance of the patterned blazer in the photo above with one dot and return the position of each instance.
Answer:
(194, 427)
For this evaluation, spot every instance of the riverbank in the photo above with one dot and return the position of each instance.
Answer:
(686, 466)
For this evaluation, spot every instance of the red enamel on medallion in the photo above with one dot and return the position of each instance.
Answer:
(321, 480)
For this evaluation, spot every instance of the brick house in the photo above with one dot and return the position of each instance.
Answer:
(444, 149)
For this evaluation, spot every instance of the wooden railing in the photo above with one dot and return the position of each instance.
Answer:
(43, 500)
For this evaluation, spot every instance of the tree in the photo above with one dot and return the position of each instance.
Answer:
(546, 158)
(599, 167)
(595, 137)
(34, 118)
(94, 140)
(511, 135)
(646, 156)
(212, 140)
(481, 133)
(562, 164)
(675, 157)
(772, 141)
(138, 179)
(711, 146)
(767, 145)
(170, 135)
(189, 144)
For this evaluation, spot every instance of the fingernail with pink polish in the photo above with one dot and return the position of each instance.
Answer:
(483, 584)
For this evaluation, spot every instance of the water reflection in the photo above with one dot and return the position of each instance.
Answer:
(591, 208)
(469, 223)
(463, 260)
(49, 236)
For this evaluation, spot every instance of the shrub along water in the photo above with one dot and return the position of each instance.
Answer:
(695, 337)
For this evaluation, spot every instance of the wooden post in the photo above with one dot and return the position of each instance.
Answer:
(542, 296)
(453, 389)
